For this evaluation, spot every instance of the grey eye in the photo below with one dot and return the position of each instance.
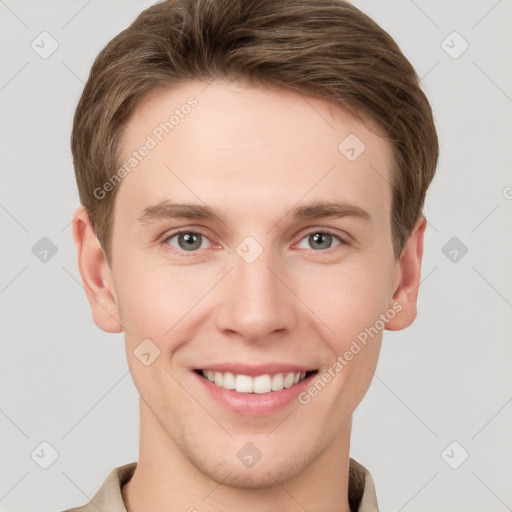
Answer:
(187, 241)
(320, 240)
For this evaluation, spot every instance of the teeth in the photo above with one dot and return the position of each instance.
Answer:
(229, 381)
(262, 384)
(243, 384)
(277, 382)
(259, 384)
(288, 380)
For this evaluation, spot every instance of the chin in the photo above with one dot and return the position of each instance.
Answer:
(237, 477)
(269, 471)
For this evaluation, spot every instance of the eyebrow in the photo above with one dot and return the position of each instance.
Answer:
(318, 209)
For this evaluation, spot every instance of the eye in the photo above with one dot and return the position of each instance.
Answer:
(192, 241)
(320, 240)
(186, 241)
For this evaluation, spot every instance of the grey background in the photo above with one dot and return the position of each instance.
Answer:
(446, 378)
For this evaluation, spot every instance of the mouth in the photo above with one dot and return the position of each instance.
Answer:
(256, 384)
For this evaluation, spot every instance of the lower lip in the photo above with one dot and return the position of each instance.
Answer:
(255, 404)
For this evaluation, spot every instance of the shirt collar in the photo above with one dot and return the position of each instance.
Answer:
(361, 490)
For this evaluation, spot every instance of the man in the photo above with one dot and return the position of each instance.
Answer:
(252, 177)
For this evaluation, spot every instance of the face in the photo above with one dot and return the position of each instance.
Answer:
(282, 259)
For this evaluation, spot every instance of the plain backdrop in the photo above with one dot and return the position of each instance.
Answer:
(435, 427)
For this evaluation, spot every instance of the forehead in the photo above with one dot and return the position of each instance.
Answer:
(242, 148)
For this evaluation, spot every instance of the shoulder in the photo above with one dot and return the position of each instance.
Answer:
(362, 496)
(108, 498)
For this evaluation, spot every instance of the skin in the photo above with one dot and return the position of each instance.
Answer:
(253, 153)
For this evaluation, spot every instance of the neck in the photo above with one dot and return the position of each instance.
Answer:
(166, 480)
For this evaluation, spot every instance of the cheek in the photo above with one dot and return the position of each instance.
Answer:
(152, 300)
(348, 302)
(347, 298)
(156, 304)
(160, 301)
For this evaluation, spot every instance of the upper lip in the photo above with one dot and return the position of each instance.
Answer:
(256, 369)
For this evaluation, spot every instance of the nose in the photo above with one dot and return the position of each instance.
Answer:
(256, 301)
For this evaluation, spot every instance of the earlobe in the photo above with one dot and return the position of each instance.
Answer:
(95, 273)
(409, 271)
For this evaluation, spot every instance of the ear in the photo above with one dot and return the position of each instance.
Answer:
(96, 275)
(408, 279)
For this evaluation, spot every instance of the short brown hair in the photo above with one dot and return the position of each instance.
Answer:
(327, 49)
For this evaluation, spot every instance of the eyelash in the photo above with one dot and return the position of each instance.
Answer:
(168, 237)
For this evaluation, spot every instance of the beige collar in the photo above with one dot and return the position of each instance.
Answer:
(361, 490)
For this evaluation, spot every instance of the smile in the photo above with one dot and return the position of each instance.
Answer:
(260, 384)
